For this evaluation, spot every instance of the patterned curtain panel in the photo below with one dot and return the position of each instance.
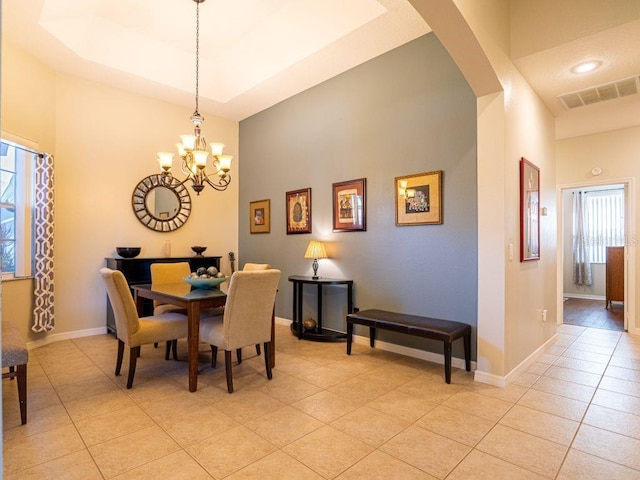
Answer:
(581, 262)
(43, 244)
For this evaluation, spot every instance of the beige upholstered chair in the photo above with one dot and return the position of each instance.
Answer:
(252, 267)
(134, 331)
(246, 319)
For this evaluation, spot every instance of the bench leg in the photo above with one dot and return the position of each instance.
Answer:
(447, 362)
(22, 392)
(349, 336)
(372, 336)
(467, 352)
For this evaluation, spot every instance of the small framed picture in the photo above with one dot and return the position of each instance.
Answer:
(349, 206)
(419, 199)
(260, 216)
(298, 204)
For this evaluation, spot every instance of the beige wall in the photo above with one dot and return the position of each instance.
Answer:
(104, 141)
(618, 154)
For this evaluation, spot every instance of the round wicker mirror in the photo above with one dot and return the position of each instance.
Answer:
(161, 203)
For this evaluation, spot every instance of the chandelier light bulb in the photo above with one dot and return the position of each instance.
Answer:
(165, 159)
(216, 148)
(200, 157)
(188, 141)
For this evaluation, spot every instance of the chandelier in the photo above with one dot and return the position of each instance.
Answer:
(193, 148)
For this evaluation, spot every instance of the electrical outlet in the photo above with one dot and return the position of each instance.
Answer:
(544, 315)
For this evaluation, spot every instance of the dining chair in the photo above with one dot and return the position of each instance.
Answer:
(134, 331)
(252, 267)
(162, 274)
(246, 319)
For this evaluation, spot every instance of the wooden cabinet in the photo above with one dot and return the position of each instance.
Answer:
(614, 275)
(137, 271)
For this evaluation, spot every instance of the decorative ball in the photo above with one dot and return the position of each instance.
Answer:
(309, 324)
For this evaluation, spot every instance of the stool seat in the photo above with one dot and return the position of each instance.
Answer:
(15, 357)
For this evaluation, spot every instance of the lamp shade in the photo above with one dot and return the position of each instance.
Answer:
(315, 249)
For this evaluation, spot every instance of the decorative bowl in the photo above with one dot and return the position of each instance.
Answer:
(205, 283)
(128, 252)
(198, 250)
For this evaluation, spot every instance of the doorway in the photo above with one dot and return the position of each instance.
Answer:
(585, 303)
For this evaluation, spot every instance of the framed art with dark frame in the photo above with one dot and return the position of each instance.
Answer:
(529, 211)
(350, 206)
(419, 199)
(260, 216)
(298, 204)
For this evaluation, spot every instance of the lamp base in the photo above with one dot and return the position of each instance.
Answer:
(315, 269)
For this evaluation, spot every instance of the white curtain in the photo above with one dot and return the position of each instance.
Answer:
(605, 222)
(581, 259)
(43, 320)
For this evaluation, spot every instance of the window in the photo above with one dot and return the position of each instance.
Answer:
(604, 222)
(16, 200)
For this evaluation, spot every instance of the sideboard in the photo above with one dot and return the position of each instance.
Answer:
(137, 271)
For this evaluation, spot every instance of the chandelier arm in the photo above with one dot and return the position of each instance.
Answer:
(222, 184)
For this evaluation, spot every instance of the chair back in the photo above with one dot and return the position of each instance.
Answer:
(249, 308)
(252, 267)
(163, 273)
(124, 308)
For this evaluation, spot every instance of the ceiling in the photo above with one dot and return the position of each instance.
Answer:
(256, 53)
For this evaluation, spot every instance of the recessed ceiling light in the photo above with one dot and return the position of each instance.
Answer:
(585, 67)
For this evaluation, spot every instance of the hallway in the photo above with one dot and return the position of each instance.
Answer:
(591, 313)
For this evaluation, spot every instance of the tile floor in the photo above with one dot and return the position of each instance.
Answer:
(375, 414)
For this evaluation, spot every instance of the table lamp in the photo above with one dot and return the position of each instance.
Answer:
(315, 250)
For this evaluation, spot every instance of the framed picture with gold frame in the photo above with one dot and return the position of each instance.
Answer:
(260, 216)
(350, 206)
(298, 204)
(419, 199)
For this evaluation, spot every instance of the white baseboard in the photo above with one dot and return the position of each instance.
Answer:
(402, 350)
(584, 296)
(57, 337)
(498, 381)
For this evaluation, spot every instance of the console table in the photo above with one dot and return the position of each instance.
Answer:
(319, 333)
(137, 271)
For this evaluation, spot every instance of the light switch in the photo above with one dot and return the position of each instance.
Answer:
(511, 252)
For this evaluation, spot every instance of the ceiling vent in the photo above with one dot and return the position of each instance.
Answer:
(601, 93)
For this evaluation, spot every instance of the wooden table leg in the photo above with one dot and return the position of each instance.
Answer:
(193, 342)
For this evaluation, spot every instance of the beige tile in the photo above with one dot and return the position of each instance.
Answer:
(369, 425)
(40, 448)
(101, 428)
(154, 388)
(527, 451)
(288, 389)
(489, 408)
(323, 377)
(230, 451)
(393, 374)
(191, 426)
(284, 426)
(428, 451)
(456, 425)
(620, 386)
(75, 466)
(430, 388)
(328, 451)
(623, 373)
(617, 401)
(556, 350)
(511, 393)
(380, 465)
(623, 362)
(325, 406)
(554, 404)
(538, 368)
(613, 420)
(401, 405)
(276, 466)
(361, 389)
(480, 466)
(579, 466)
(589, 356)
(608, 445)
(564, 388)
(73, 375)
(246, 405)
(117, 456)
(547, 358)
(37, 422)
(541, 424)
(587, 347)
(526, 379)
(180, 465)
(580, 365)
(87, 388)
(97, 405)
(571, 375)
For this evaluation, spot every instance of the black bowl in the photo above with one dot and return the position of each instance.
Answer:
(128, 252)
(198, 250)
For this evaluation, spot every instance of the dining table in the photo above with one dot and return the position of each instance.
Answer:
(194, 300)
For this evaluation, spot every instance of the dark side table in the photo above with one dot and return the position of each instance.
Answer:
(319, 333)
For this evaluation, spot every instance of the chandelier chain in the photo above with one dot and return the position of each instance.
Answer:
(197, 50)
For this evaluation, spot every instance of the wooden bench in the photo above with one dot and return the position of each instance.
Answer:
(444, 330)
(15, 357)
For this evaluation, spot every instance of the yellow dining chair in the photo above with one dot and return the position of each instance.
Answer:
(162, 274)
(246, 319)
(134, 331)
